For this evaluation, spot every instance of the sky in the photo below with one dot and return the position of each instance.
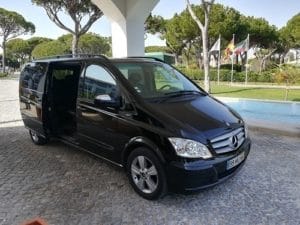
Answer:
(277, 12)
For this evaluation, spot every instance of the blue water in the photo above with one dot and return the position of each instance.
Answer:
(280, 112)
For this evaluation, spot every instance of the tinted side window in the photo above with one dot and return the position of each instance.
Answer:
(33, 76)
(136, 76)
(98, 81)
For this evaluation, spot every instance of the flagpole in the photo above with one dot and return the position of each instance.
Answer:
(246, 80)
(247, 61)
(219, 60)
(232, 58)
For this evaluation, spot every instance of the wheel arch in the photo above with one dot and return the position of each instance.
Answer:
(140, 142)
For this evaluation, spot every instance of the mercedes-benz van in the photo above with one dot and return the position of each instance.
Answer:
(138, 113)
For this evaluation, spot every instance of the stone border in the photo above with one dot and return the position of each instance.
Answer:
(278, 130)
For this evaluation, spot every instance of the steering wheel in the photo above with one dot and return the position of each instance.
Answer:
(165, 86)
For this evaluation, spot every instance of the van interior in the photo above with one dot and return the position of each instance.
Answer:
(63, 97)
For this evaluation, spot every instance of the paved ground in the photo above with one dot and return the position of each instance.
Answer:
(66, 186)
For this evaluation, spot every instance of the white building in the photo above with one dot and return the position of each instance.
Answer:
(127, 18)
(293, 56)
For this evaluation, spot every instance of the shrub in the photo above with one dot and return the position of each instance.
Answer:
(3, 74)
(287, 74)
(268, 76)
(195, 74)
(236, 67)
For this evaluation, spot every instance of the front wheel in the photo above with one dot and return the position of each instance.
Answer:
(146, 174)
(37, 139)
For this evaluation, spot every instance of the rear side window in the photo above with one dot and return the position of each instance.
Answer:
(33, 76)
(62, 74)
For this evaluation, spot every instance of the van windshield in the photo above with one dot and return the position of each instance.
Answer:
(156, 80)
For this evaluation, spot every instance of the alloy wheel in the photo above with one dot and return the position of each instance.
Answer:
(144, 174)
(34, 136)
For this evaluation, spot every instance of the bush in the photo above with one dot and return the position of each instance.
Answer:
(287, 74)
(3, 74)
(268, 76)
(195, 74)
(225, 75)
(236, 67)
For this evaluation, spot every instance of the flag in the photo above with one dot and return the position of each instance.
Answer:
(242, 47)
(217, 46)
(229, 49)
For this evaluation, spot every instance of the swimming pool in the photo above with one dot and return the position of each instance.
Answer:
(272, 111)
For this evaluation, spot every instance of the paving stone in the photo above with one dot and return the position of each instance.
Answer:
(66, 186)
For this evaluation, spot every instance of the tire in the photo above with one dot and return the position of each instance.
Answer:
(37, 139)
(146, 174)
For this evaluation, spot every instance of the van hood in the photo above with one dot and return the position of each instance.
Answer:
(196, 117)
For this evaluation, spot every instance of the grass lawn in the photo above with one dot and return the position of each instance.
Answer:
(255, 93)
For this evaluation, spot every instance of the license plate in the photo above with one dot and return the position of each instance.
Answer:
(235, 161)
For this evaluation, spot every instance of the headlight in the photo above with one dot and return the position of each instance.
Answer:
(190, 149)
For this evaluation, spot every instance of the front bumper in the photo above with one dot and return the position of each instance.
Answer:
(199, 174)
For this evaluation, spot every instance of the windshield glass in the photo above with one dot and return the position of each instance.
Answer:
(156, 80)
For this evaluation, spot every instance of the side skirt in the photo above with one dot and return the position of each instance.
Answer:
(85, 150)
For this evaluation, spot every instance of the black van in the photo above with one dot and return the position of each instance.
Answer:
(137, 113)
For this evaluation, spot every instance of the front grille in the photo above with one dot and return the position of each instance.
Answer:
(228, 142)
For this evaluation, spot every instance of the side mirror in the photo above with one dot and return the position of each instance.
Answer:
(105, 101)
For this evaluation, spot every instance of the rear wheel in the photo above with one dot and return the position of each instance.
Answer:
(37, 139)
(146, 174)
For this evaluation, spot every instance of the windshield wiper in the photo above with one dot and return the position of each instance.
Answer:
(178, 94)
(184, 92)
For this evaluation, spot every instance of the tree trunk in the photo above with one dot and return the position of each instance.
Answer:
(3, 55)
(206, 5)
(187, 59)
(260, 66)
(187, 64)
(176, 59)
(75, 45)
(264, 64)
(200, 61)
(188, 54)
(205, 59)
(286, 94)
(281, 59)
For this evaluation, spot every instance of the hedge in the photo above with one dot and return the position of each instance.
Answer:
(3, 74)
(225, 75)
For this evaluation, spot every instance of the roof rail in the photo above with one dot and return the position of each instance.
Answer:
(84, 55)
(146, 57)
